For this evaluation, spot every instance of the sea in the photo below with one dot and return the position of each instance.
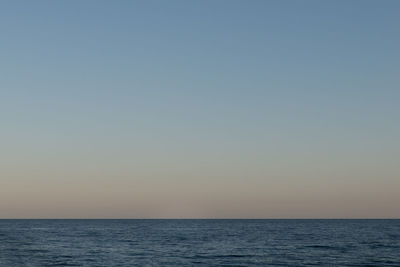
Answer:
(189, 242)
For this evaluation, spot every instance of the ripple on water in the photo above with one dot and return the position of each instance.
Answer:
(199, 242)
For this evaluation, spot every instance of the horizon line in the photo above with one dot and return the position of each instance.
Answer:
(338, 218)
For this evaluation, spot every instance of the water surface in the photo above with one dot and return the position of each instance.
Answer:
(199, 242)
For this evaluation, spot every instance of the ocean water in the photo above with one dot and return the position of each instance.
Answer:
(199, 243)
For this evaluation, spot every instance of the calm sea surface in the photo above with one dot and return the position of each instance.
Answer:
(199, 242)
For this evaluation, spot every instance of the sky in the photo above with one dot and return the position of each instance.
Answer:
(199, 109)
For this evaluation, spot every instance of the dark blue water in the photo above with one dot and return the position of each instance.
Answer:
(199, 242)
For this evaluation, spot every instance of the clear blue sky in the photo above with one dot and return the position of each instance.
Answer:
(199, 108)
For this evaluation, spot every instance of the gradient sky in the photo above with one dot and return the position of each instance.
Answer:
(200, 109)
